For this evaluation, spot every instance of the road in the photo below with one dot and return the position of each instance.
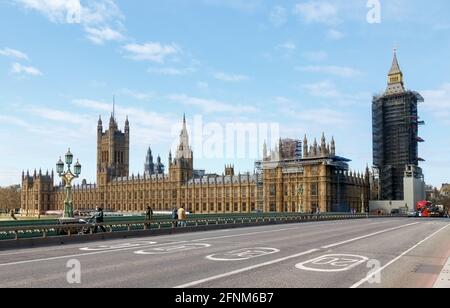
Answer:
(367, 253)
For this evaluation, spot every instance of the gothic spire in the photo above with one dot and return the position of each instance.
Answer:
(395, 77)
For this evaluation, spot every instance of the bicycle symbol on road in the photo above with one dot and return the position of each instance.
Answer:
(332, 263)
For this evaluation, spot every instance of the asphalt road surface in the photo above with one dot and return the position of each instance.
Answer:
(368, 253)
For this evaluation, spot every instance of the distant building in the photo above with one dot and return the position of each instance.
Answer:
(395, 134)
(398, 183)
(445, 190)
(291, 179)
(150, 167)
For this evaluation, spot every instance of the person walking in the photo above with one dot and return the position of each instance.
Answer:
(174, 217)
(182, 217)
(13, 215)
(99, 218)
(148, 216)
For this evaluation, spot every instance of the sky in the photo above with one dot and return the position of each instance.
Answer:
(299, 67)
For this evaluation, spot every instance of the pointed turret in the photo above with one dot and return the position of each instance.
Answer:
(127, 126)
(395, 77)
(315, 148)
(305, 147)
(264, 150)
(333, 147)
(323, 145)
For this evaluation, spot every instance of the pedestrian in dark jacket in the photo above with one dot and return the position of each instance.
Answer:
(98, 217)
(148, 216)
(174, 217)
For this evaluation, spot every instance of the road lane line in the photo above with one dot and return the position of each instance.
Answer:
(194, 283)
(320, 223)
(196, 240)
(83, 254)
(279, 230)
(364, 280)
(245, 269)
(368, 235)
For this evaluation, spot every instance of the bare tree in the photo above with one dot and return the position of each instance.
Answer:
(10, 197)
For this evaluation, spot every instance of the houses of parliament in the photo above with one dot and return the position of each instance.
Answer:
(296, 176)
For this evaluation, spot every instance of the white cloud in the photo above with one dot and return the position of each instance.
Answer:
(340, 71)
(60, 116)
(171, 71)
(145, 125)
(96, 17)
(155, 52)
(136, 95)
(240, 5)
(335, 35)
(13, 53)
(210, 105)
(278, 16)
(323, 116)
(324, 89)
(202, 85)
(18, 68)
(437, 101)
(230, 77)
(315, 56)
(317, 12)
(101, 35)
(288, 46)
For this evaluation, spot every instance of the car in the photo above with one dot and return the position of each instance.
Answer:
(413, 214)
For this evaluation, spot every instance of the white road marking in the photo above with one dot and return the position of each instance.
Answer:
(332, 263)
(303, 226)
(443, 281)
(245, 269)
(242, 254)
(171, 249)
(364, 280)
(74, 255)
(116, 246)
(368, 235)
(194, 283)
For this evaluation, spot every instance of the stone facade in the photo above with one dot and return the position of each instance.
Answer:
(288, 180)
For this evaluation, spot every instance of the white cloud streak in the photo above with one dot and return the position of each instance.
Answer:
(96, 17)
(278, 16)
(154, 52)
(210, 105)
(13, 53)
(317, 12)
(340, 71)
(230, 77)
(18, 68)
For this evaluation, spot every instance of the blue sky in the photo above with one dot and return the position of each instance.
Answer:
(312, 66)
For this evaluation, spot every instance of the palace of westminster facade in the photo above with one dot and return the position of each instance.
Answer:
(292, 178)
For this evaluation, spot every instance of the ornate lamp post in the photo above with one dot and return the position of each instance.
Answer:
(68, 177)
(300, 195)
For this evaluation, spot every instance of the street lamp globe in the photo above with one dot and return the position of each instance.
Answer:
(60, 166)
(77, 168)
(69, 157)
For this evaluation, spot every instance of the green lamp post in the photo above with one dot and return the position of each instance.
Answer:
(300, 195)
(68, 176)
